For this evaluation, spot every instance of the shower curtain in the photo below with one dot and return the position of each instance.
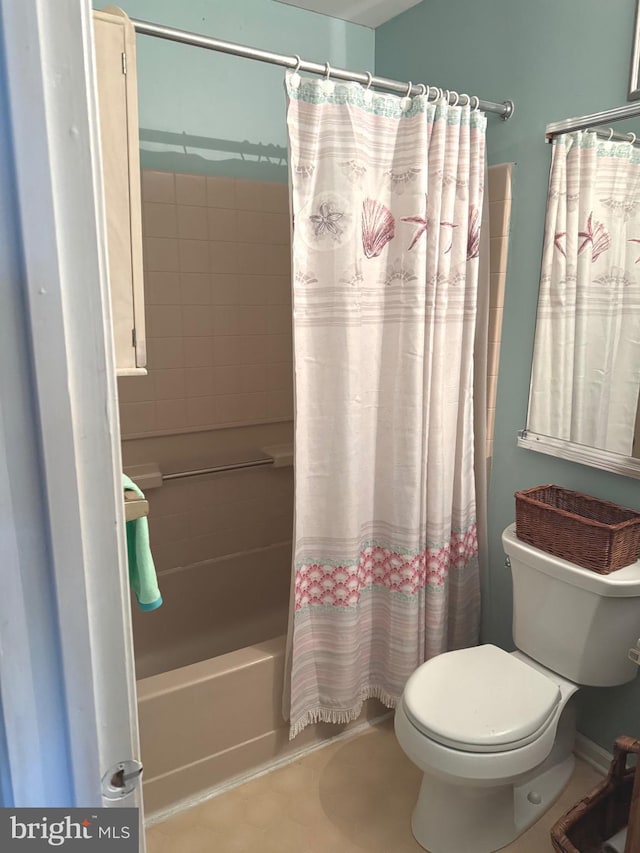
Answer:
(387, 200)
(586, 366)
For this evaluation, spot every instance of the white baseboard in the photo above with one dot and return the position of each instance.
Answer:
(595, 755)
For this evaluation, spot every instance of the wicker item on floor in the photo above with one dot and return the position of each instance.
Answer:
(605, 810)
(592, 533)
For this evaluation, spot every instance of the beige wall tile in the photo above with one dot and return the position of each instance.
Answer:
(275, 197)
(252, 378)
(251, 258)
(253, 349)
(168, 528)
(161, 288)
(279, 376)
(278, 260)
(224, 257)
(222, 224)
(158, 186)
(159, 220)
(491, 419)
(165, 352)
(137, 418)
(251, 226)
(497, 285)
(135, 389)
(235, 408)
(227, 350)
(196, 321)
(278, 289)
(224, 289)
(226, 319)
(169, 384)
(226, 379)
(493, 357)
(280, 404)
(198, 352)
(160, 254)
(251, 290)
(253, 320)
(171, 414)
(500, 181)
(279, 319)
(191, 189)
(172, 555)
(278, 228)
(192, 222)
(201, 411)
(194, 256)
(495, 324)
(249, 195)
(164, 321)
(499, 217)
(498, 254)
(278, 348)
(195, 288)
(221, 192)
(199, 381)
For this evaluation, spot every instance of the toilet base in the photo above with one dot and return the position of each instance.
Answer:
(451, 818)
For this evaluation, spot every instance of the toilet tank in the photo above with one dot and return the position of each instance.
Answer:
(574, 621)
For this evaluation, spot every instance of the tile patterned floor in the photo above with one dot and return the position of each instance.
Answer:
(336, 800)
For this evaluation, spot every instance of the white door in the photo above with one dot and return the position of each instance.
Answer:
(67, 686)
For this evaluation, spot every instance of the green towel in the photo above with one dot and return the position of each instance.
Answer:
(142, 572)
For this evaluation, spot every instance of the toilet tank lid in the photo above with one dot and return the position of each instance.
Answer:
(623, 583)
(481, 698)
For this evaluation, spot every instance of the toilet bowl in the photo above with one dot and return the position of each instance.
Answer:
(493, 731)
(492, 766)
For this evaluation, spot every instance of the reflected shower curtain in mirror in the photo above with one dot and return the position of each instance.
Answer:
(386, 200)
(586, 365)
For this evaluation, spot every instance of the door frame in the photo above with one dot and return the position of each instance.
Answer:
(82, 582)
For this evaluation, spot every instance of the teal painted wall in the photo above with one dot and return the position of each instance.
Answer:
(210, 113)
(555, 60)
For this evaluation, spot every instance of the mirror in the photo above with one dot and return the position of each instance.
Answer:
(585, 380)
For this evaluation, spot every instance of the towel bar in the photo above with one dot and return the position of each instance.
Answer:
(217, 469)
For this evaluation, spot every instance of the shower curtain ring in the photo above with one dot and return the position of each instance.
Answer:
(327, 71)
(423, 87)
(409, 88)
(632, 141)
(298, 63)
(477, 100)
(369, 80)
(455, 103)
(610, 137)
(464, 95)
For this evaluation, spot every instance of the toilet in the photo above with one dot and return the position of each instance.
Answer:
(493, 731)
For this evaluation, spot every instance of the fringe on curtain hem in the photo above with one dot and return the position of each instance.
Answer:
(339, 716)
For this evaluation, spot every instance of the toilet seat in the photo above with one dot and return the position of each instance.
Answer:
(481, 699)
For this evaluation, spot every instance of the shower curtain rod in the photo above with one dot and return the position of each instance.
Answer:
(592, 120)
(504, 110)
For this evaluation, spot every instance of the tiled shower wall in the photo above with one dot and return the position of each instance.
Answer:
(220, 382)
(218, 306)
(499, 219)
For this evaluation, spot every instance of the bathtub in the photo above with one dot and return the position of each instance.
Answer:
(210, 695)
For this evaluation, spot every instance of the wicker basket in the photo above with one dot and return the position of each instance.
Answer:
(592, 533)
(604, 811)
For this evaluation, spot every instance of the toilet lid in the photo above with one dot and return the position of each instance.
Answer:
(480, 700)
